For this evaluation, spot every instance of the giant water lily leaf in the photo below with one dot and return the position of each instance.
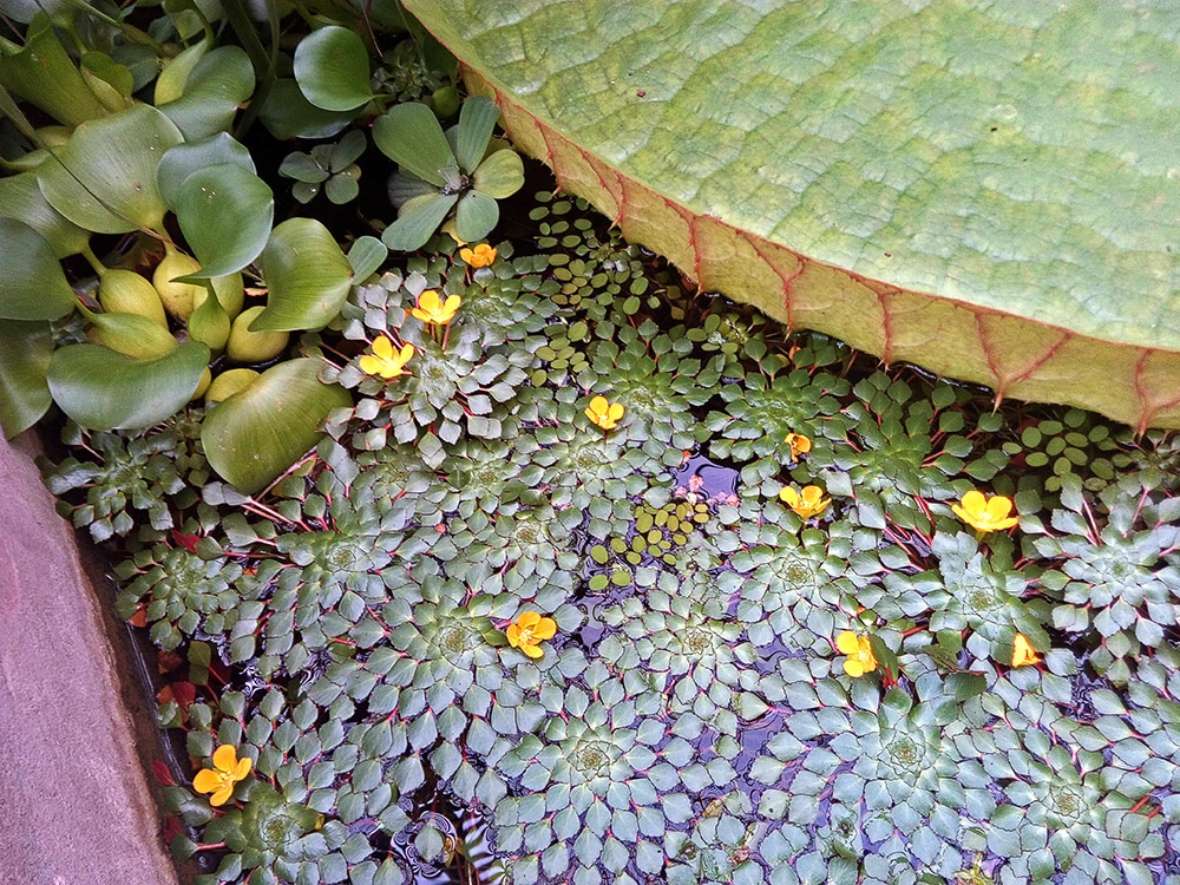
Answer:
(105, 390)
(258, 433)
(104, 178)
(32, 286)
(25, 349)
(990, 191)
(21, 198)
(308, 276)
(225, 212)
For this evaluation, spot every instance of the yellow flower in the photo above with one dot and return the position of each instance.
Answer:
(219, 780)
(603, 413)
(800, 445)
(984, 514)
(432, 309)
(384, 361)
(1023, 654)
(860, 658)
(808, 503)
(528, 631)
(481, 256)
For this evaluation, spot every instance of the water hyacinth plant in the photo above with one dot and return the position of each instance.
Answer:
(481, 544)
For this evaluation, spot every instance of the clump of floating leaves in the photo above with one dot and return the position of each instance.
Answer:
(508, 616)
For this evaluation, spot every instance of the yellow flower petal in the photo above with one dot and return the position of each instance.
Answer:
(406, 354)
(513, 633)
(974, 503)
(533, 651)
(383, 347)
(1023, 653)
(370, 364)
(853, 667)
(999, 507)
(789, 496)
(615, 412)
(223, 795)
(467, 255)
(847, 643)
(546, 629)
(207, 781)
(528, 619)
(225, 758)
(429, 300)
(243, 768)
(598, 405)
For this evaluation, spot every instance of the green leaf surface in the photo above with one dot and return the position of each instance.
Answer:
(500, 175)
(989, 192)
(43, 74)
(21, 198)
(475, 216)
(25, 349)
(33, 286)
(105, 390)
(366, 256)
(104, 178)
(418, 219)
(410, 135)
(287, 114)
(225, 213)
(218, 83)
(184, 159)
(477, 119)
(255, 435)
(332, 69)
(308, 275)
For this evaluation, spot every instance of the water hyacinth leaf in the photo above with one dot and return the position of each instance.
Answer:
(500, 175)
(308, 275)
(366, 256)
(477, 119)
(111, 82)
(184, 159)
(890, 259)
(287, 114)
(256, 434)
(418, 219)
(170, 83)
(225, 213)
(476, 216)
(332, 69)
(33, 286)
(105, 390)
(25, 349)
(217, 85)
(43, 74)
(21, 198)
(104, 178)
(410, 135)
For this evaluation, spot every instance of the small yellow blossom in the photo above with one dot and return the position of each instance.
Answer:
(861, 659)
(432, 309)
(604, 413)
(800, 444)
(984, 514)
(807, 503)
(528, 631)
(481, 256)
(219, 780)
(1023, 654)
(384, 361)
